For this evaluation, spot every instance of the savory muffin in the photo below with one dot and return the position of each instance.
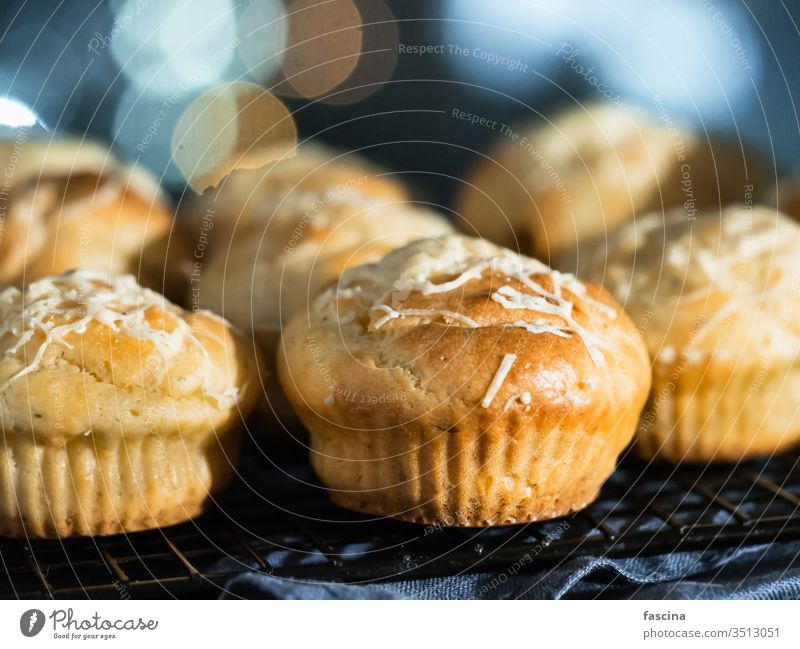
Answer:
(456, 382)
(119, 410)
(569, 181)
(717, 302)
(70, 204)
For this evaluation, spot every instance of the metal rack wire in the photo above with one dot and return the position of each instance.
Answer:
(279, 522)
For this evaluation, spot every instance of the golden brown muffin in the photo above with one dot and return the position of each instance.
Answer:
(456, 382)
(70, 204)
(575, 178)
(717, 302)
(322, 217)
(119, 410)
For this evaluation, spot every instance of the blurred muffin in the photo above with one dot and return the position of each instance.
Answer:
(286, 187)
(575, 178)
(455, 382)
(716, 299)
(271, 270)
(70, 204)
(119, 410)
(328, 218)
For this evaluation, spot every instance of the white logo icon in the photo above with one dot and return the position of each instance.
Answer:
(31, 622)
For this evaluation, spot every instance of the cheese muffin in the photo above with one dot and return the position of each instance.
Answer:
(119, 410)
(70, 204)
(717, 302)
(458, 383)
(571, 180)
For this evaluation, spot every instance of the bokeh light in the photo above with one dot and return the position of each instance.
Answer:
(236, 126)
(519, 30)
(698, 63)
(324, 46)
(174, 44)
(263, 32)
(378, 57)
(39, 67)
(15, 114)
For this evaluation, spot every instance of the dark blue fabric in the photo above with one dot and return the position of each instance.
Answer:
(756, 572)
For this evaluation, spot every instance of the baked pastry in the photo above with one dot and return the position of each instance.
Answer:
(71, 204)
(328, 218)
(571, 180)
(286, 188)
(118, 409)
(458, 383)
(715, 298)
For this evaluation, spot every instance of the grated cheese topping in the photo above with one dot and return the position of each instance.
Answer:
(736, 268)
(57, 306)
(391, 314)
(497, 380)
(412, 272)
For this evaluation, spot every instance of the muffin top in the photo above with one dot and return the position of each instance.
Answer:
(722, 283)
(283, 192)
(84, 353)
(458, 327)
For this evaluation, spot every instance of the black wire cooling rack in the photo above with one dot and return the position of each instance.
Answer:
(279, 522)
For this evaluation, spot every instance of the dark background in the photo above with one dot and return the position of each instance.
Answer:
(722, 65)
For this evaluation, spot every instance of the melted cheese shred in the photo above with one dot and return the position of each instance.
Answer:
(391, 314)
(411, 269)
(57, 306)
(497, 380)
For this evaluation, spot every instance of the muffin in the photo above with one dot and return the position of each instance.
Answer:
(571, 180)
(286, 188)
(322, 220)
(458, 383)
(70, 204)
(119, 410)
(716, 300)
